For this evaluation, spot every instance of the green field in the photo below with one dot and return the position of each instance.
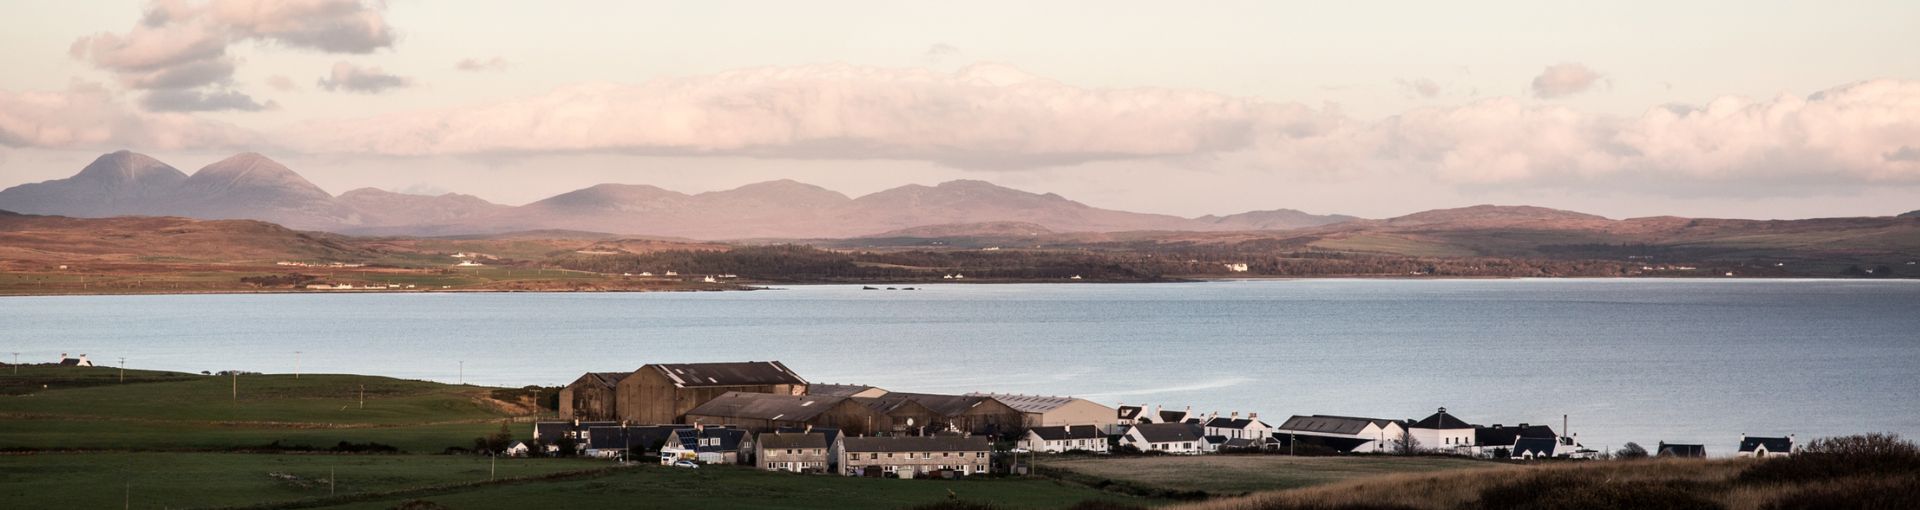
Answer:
(1235, 474)
(651, 486)
(191, 480)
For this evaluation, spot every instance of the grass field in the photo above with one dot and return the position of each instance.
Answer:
(714, 487)
(188, 480)
(1239, 474)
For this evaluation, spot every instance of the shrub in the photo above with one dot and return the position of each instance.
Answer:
(1568, 491)
(1830, 458)
(1863, 493)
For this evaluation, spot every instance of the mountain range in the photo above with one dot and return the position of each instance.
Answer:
(252, 186)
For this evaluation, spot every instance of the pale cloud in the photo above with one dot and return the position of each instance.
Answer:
(1565, 79)
(994, 117)
(939, 52)
(179, 49)
(88, 116)
(281, 83)
(190, 100)
(1423, 87)
(367, 80)
(478, 65)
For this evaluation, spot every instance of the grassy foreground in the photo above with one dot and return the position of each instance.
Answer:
(1238, 474)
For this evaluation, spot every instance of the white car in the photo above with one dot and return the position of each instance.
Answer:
(686, 464)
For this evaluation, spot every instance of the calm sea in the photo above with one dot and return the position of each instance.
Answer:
(1628, 360)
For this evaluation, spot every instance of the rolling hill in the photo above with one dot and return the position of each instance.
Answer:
(252, 186)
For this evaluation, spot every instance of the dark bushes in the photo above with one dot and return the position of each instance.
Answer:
(1840, 457)
(1566, 491)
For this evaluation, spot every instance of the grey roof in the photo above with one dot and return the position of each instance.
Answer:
(779, 440)
(1059, 432)
(1129, 412)
(1029, 403)
(839, 390)
(730, 439)
(747, 373)
(1680, 450)
(1330, 424)
(1498, 435)
(1338, 444)
(832, 433)
(1440, 420)
(1773, 444)
(551, 431)
(766, 406)
(1240, 442)
(647, 438)
(1231, 423)
(1169, 432)
(1539, 446)
(1172, 416)
(917, 444)
(1215, 439)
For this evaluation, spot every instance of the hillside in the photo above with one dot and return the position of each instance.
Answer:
(165, 239)
(253, 186)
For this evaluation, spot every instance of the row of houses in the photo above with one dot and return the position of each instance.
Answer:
(763, 413)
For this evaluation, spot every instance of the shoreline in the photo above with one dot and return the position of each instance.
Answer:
(761, 286)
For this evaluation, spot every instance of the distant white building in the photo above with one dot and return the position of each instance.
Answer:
(1763, 447)
(468, 263)
(1057, 438)
(81, 361)
(1237, 267)
(1180, 438)
(1354, 434)
(1235, 427)
(1442, 432)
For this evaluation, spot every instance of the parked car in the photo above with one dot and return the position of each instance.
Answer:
(686, 464)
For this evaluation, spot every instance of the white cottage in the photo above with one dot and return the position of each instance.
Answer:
(1181, 438)
(1441, 432)
(1060, 438)
(1763, 447)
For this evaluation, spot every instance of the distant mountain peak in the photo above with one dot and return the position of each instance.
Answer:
(1493, 214)
(128, 166)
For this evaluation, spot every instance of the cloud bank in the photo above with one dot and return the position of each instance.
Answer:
(178, 50)
(993, 117)
(90, 117)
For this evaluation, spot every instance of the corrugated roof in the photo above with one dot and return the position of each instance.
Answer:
(1030, 403)
(839, 390)
(744, 373)
(944, 405)
(766, 406)
(608, 379)
(1327, 424)
(917, 444)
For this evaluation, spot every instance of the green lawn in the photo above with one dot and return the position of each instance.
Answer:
(743, 488)
(177, 480)
(1232, 474)
(64, 408)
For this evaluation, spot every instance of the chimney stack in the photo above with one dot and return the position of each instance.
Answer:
(1235, 415)
(1253, 416)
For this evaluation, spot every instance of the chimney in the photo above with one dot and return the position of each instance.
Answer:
(1234, 415)
(809, 429)
(1253, 416)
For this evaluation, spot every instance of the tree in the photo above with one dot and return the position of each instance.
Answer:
(1405, 444)
(1631, 451)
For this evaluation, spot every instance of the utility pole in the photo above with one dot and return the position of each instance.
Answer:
(296, 364)
(16, 363)
(330, 477)
(363, 396)
(123, 369)
(236, 385)
(491, 460)
(463, 372)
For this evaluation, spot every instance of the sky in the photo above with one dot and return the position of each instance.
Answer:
(1751, 109)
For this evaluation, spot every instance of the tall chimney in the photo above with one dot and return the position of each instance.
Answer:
(1234, 415)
